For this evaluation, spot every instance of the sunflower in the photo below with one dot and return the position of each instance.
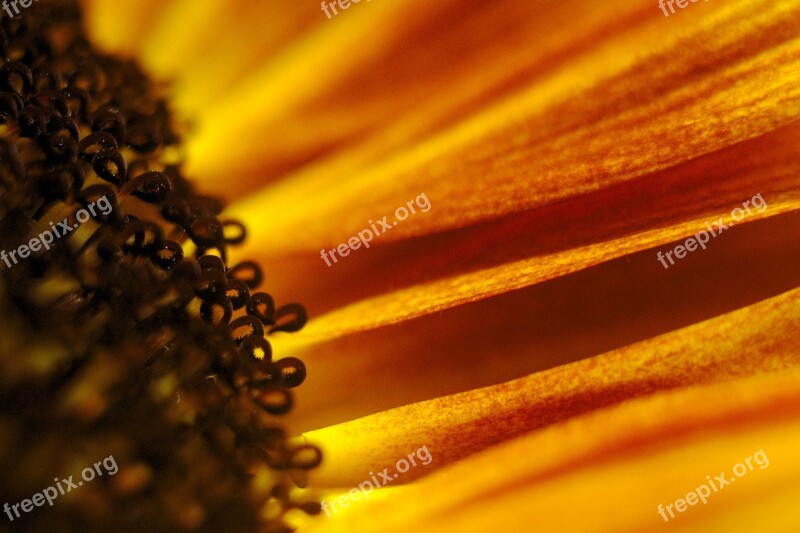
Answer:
(548, 250)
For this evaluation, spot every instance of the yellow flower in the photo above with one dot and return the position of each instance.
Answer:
(598, 312)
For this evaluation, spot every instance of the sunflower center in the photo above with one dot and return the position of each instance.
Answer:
(125, 331)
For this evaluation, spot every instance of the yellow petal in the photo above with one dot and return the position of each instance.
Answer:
(610, 469)
(118, 25)
(455, 426)
(238, 37)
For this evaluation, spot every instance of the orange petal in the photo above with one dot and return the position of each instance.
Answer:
(435, 296)
(567, 319)
(531, 247)
(635, 103)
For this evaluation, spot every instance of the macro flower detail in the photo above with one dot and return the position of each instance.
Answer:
(510, 355)
(130, 335)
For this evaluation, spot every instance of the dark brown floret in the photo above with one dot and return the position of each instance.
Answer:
(130, 336)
